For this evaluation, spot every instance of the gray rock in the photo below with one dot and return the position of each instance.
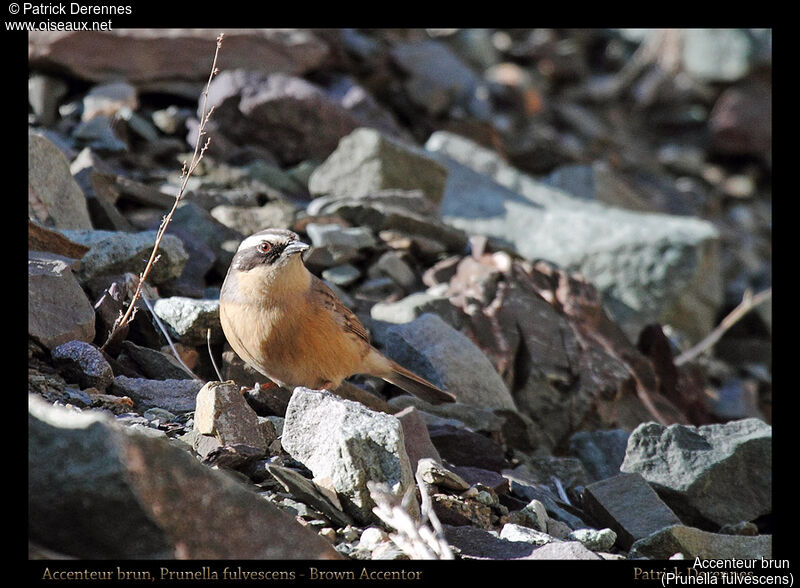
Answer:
(348, 444)
(475, 418)
(392, 265)
(308, 492)
(342, 243)
(82, 363)
(594, 539)
(462, 447)
(437, 352)
(649, 267)
(601, 452)
(693, 543)
(176, 396)
(98, 133)
(415, 434)
(154, 364)
(222, 240)
(108, 99)
(366, 161)
(247, 220)
(629, 506)
(84, 472)
(58, 310)
(714, 474)
(438, 79)
(514, 532)
(54, 198)
(116, 252)
(363, 107)
(414, 305)
(172, 54)
(400, 210)
(537, 514)
(563, 550)
(292, 117)
(44, 95)
(222, 411)
(717, 55)
(474, 543)
(433, 472)
(172, 119)
(342, 275)
(188, 319)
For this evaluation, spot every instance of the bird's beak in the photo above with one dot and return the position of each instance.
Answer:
(295, 247)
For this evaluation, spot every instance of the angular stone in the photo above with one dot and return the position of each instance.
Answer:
(601, 452)
(456, 510)
(349, 444)
(414, 305)
(415, 435)
(54, 198)
(438, 78)
(108, 99)
(594, 539)
(514, 532)
(289, 115)
(629, 506)
(710, 475)
(563, 550)
(462, 447)
(308, 492)
(342, 243)
(58, 310)
(437, 352)
(115, 252)
(649, 267)
(221, 411)
(44, 95)
(432, 472)
(83, 364)
(525, 488)
(251, 219)
(84, 472)
(169, 54)
(188, 319)
(173, 395)
(693, 543)
(409, 211)
(154, 364)
(472, 475)
(474, 543)
(366, 161)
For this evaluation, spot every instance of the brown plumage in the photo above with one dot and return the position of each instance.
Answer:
(286, 323)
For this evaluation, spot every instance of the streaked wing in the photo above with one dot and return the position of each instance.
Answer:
(344, 316)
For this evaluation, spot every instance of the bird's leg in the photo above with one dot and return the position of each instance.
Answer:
(258, 387)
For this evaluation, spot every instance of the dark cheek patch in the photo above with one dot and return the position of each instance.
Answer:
(252, 257)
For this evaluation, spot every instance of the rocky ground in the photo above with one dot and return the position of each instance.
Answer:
(539, 221)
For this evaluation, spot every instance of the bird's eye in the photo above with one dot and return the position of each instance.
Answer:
(264, 247)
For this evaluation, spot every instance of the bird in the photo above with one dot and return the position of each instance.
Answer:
(287, 324)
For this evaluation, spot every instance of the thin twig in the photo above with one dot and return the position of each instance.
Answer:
(415, 538)
(211, 355)
(197, 156)
(749, 302)
(164, 331)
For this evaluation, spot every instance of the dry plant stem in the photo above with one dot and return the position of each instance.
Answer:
(163, 330)
(416, 539)
(749, 302)
(211, 355)
(186, 172)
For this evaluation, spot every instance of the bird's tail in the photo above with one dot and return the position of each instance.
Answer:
(413, 384)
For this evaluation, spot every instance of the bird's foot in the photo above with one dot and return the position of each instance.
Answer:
(258, 387)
